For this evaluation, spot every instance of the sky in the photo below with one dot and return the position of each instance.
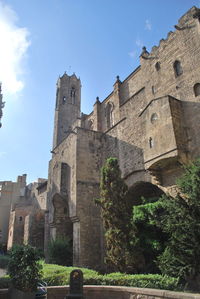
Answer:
(41, 39)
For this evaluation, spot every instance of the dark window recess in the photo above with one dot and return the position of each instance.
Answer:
(65, 178)
(64, 100)
(177, 68)
(150, 142)
(197, 89)
(20, 218)
(157, 66)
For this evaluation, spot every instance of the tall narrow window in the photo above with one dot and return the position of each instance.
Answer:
(109, 116)
(57, 92)
(64, 100)
(177, 68)
(150, 142)
(72, 94)
(197, 89)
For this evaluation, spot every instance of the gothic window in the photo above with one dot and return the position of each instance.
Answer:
(64, 100)
(65, 177)
(57, 92)
(197, 89)
(72, 94)
(150, 142)
(109, 115)
(157, 66)
(177, 68)
(90, 124)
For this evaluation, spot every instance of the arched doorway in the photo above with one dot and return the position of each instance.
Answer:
(145, 190)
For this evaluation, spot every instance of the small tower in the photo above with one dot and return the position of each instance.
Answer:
(67, 111)
(2, 104)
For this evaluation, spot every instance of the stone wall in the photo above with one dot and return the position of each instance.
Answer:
(112, 292)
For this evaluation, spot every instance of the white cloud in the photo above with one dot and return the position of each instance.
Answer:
(139, 43)
(148, 25)
(132, 53)
(13, 47)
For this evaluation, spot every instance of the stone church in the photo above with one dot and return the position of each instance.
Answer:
(150, 122)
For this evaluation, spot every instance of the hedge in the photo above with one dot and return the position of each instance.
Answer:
(56, 275)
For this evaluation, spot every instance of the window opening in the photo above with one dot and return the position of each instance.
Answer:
(72, 94)
(157, 66)
(109, 115)
(154, 118)
(150, 142)
(197, 89)
(177, 68)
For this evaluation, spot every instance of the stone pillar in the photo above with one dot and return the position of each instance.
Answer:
(46, 235)
(97, 115)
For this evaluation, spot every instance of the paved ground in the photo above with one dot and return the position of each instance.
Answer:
(2, 272)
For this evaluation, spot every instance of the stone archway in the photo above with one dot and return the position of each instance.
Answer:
(150, 238)
(143, 189)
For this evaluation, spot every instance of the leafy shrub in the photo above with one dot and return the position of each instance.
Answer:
(59, 275)
(142, 281)
(24, 268)
(60, 252)
(4, 259)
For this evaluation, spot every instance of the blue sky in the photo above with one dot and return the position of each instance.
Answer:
(41, 39)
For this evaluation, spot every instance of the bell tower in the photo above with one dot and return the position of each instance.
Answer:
(67, 110)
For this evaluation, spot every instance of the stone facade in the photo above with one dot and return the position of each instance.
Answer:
(150, 122)
(10, 193)
(27, 216)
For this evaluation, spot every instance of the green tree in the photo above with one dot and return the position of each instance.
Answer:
(181, 221)
(122, 254)
(24, 268)
(149, 238)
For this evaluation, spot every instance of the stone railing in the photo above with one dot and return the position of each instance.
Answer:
(114, 292)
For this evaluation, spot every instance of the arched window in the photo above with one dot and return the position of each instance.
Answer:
(197, 89)
(177, 68)
(109, 115)
(157, 66)
(72, 94)
(64, 100)
(90, 124)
